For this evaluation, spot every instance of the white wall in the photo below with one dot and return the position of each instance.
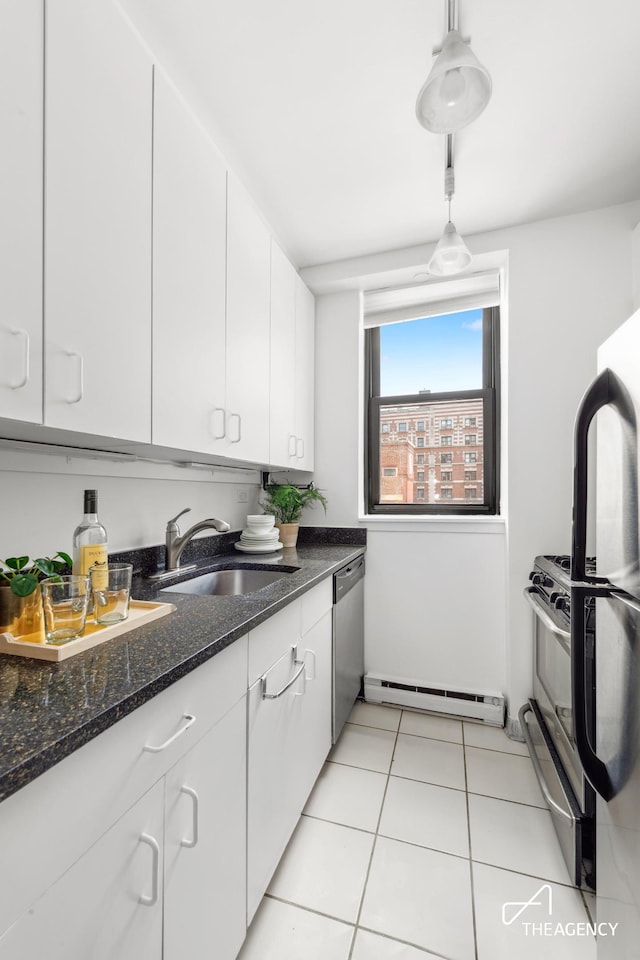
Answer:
(41, 501)
(445, 605)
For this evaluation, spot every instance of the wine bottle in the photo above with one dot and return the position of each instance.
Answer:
(90, 541)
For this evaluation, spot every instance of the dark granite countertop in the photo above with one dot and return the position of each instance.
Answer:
(48, 710)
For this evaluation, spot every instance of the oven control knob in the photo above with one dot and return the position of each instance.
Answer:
(563, 603)
(536, 578)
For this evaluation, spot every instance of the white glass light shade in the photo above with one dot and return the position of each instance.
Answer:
(456, 91)
(451, 254)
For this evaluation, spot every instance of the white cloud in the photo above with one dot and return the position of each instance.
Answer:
(473, 324)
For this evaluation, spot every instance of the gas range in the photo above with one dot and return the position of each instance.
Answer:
(551, 576)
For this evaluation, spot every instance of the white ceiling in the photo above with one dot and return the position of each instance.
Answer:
(312, 105)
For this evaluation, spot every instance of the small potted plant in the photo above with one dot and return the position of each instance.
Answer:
(286, 502)
(20, 601)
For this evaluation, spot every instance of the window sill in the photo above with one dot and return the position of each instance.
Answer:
(442, 524)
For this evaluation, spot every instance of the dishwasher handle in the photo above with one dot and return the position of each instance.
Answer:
(346, 578)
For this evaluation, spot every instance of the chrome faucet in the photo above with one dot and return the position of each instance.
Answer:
(175, 543)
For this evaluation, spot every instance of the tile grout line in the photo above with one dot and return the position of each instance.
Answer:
(472, 891)
(373, 846)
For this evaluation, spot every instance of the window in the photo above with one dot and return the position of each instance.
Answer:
(420, 475)
(442, 370)
(385, 428)
(471, 474)
(389, 471)
(420, 493)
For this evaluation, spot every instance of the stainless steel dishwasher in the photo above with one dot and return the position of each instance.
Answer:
(348, 640)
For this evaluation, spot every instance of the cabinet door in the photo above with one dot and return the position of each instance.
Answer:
(21, 125)
(109, 904)
(189, 267)
(97, 222)
(273, 800)
(205, 852)
(314, 731)
(305, 379)
(248, 281)
(282, 410)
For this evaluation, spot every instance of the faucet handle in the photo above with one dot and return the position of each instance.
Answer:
(173, 523)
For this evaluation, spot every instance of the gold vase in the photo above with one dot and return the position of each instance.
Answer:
(22, 616)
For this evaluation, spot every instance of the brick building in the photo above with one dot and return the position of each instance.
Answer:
(432, 451)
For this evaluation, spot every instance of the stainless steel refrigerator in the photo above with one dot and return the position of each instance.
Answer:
(612, 762)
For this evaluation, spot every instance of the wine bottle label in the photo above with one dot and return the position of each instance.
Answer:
(95, 555)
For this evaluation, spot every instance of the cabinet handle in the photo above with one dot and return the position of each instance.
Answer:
(155, 871)
(293, 441)
(300, 448)
(27, 349)
(216, 434)
(163, 746)
(239, 419)
(78, 356)
(315, 664)
(190, 792)
(300, 664)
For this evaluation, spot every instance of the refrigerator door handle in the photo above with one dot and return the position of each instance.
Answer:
(597, 396)
(594, 768)
(605, 389)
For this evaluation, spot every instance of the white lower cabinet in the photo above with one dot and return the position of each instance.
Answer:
(205, 846)
(134, 845)
(109, 904)
(289, 734)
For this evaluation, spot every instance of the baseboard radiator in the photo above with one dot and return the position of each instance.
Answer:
(487, 707)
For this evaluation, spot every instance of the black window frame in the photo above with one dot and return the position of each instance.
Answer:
(489, 393)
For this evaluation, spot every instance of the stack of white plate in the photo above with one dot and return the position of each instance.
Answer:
(259, 536)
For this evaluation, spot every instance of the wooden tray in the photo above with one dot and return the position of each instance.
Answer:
(33, 645)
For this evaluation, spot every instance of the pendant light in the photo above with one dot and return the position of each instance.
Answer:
(451, 254)
(458, 87)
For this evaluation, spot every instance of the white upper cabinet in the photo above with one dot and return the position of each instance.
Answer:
(292, 366)
(283, 440)
(98, 78)
(248, 294)
(21, 124)
(305, 379)
(189, 269)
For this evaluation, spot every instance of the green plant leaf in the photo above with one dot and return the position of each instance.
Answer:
(66, 559)
(24, 584)
(17, 563)
(44, 565)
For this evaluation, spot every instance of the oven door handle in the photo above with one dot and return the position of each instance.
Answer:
(537, 768)
(531, 595)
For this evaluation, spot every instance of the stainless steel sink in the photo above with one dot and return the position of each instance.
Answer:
(228, 583)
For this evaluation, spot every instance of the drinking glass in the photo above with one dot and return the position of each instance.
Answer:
(111, 588)
(64, 601)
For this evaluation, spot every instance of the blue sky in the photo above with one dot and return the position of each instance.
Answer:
(436, 353)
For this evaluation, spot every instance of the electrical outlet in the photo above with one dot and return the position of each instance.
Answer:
(242, 495)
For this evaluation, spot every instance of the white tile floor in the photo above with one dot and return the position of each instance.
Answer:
(419, 830)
